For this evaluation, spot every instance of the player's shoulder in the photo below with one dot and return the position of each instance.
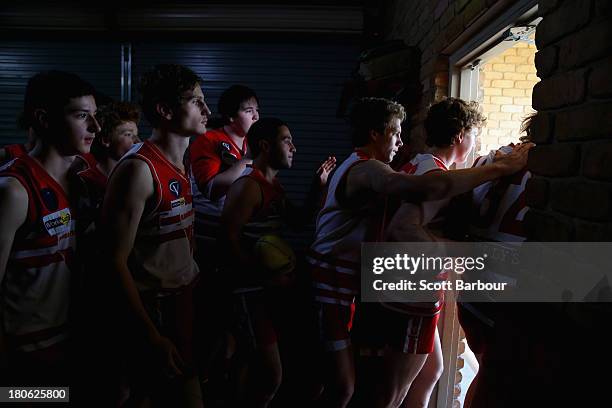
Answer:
(132, 170)
(12, 191)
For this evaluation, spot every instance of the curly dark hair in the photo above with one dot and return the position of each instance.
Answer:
(372, 114)
(231, 98)
(165, 83)
(527, 127)
(112, 115)
(449, 117)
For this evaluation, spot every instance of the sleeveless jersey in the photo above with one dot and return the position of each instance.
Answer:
(13, 151)
(421, 164)
(268, 218)
(499, 208)
(88, 159)
(336, 252)
(162, 257)
(210, 154)
(36, 286)
(500, 205)
(94, 183)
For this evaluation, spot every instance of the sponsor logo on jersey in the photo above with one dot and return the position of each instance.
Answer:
(175, 187)
(226, 146)
(58, 222)
(177, 203)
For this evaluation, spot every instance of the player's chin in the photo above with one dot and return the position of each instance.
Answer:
(84, 148)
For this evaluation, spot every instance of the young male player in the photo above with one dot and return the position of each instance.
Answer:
(119, 132)
(351, 215)
(37, 237)
(218, 158)
(452, 126)
(256, 206)
(148, 232)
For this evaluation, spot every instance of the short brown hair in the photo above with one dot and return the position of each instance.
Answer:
(373, 114)
(449, 117)
(165, 83)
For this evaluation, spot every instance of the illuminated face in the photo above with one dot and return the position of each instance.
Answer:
(192, 114)
(464, 147)
(122, 139)
(246, 116)
(283, 150)
(389, 142)
(78, 126)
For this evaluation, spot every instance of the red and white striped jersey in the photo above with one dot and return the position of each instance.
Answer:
(500, 205)
(269, 217)
(36, 286)
(162, 257)
(423, 163)
(336, 252)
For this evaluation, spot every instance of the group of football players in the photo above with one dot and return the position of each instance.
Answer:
(129, 269)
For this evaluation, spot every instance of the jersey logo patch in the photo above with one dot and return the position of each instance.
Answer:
(226, 146)
(58, 223)
(175, 187)
(177, 203)
(49, 198)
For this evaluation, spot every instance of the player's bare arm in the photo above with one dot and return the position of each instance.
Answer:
(242, 201)
(222, 181)
(14, 210)
(409, 223)
(127, 194)
(379, 177)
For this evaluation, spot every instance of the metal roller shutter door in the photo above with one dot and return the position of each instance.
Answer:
(98, 63)
(298, 83)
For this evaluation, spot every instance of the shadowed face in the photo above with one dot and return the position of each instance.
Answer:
(283, 150)
(78, 126)
(246, 116)
(388, 143)
(192, 114)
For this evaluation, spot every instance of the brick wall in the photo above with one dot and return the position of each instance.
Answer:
(571, 194)
(506, 83)
(432, 25)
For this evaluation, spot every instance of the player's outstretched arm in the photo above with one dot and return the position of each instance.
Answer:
(379, 177)
(14, 210)
(129, 188)
(243, 199)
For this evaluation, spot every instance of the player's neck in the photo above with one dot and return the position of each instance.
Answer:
(106, 165)
(264, 166)
(370, 151)
(53, 162)
(172, 145)
(445, 154)
(236, 135)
